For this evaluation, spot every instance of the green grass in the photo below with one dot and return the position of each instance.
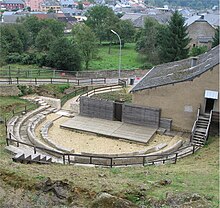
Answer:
(198, 173)
(104, 60)
(121, 95)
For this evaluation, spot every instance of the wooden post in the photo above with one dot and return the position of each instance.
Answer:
(91, 81)
(143, 160)
(176, 158)
(51, 80)
(7, 142)
(111, 162)
(69, 159)
(104, 80)
(17, 80)
(35, 151)
(35, 79)
(193, 149)
(63, 159)
(78, 82)
(90, 160)
(17, 144)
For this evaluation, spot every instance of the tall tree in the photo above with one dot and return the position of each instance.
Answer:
(174, 42)
(64, 55)
(101, 19)
(86, 41)
(147, 40)
(44, 39)
(215, 41)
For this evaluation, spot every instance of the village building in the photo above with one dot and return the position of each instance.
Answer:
(12, 4)
(201, 33)
(50, 5)
(180, 88)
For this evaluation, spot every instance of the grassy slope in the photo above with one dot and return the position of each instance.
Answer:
(197, 173)
(129, 58)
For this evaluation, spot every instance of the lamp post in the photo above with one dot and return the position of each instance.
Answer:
(119, 64)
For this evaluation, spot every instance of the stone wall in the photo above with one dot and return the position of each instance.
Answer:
(140, 115)
(111, 73)
(9, 90)
(53, 102)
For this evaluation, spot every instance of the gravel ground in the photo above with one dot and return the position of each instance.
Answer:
(84, 142)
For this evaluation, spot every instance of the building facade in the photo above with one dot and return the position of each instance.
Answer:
(180, 88)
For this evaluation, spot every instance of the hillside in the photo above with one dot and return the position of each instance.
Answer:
(186, 182)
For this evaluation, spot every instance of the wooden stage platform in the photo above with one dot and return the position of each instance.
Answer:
(114, 129)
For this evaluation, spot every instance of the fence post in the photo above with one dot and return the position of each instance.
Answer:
(91, 81)
(175, 158)
(17, 143)
(193, 149)
(69, 159)
(90, 160)
(17, 80)
(111, 162)
(68, 81)
(104, 80)
(7, 142)
(143, 160)
(51, 80)
(63, 159)
(9, 135)
(78, 82)
(35, 151)
(35, 79)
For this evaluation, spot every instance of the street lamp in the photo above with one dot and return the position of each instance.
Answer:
(119, 64)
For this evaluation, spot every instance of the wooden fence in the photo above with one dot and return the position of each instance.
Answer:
(109, 161)
(36, 81)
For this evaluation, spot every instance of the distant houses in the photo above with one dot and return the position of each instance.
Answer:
(201, 33)
(12, 4)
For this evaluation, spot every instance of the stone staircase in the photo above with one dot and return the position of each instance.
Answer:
(201, 128)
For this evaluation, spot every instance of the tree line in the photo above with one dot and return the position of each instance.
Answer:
(42, 42)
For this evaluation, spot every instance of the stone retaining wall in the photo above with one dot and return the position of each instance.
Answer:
(9, 90)
(53, 102)
(111, 73)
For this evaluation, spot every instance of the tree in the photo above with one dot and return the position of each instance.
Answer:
(126, 30)
(23, 35)
(64, 55)
(195, 51)
(101, 19)
(147, 40)
(44, 39)
(86, 41)
(174, 41)
(10, 37)
(215, 41)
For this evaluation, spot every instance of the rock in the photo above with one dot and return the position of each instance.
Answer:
(105, 200)
(102, 175)
(165, 182)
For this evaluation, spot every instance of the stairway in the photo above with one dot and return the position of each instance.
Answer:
(28, 159)
(199, 134)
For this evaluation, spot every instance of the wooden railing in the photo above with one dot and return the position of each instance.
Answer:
(195, 123)
(208, 127)
(36, 81)
(99, 90)
(108, 160)
(76, 92)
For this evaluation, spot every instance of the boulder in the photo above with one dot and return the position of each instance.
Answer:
(105, 200)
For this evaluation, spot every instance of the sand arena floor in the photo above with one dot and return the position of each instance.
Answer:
(85, 142)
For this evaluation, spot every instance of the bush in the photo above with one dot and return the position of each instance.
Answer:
(13, 58)
(147, 65)
(25, 90)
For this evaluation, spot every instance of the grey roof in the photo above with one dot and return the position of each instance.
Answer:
(138, 18)
(12, 18)
(13, 1)
(50, 3)
(212, 19)
(205, 39)
(178, 71)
